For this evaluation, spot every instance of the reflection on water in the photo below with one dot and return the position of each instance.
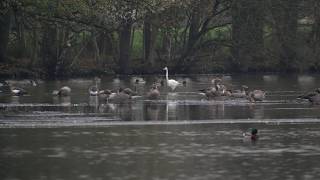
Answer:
(180, 136)
(185, 103)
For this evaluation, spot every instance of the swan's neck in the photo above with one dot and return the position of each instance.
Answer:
(167, 75)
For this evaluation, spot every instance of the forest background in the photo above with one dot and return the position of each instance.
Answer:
(64, 38)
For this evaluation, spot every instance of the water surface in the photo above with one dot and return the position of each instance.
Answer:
(180, 136)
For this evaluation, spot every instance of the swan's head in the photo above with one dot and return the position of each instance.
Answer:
(166, 68)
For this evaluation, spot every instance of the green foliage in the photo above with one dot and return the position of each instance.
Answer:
(190, 35)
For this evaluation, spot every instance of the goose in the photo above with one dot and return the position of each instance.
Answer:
(256, 95)
(253, 134)
(171, 82)
(216, 90)
(64, 91)
(210, 92)
(94, 90)
(309, 94)
(119, 97)
(106, 92)
(313, 97)
(243, 93)
(130, 92)
(154, 93)
(16, 91)
(33, 83)
(138, 80)
(216, 81)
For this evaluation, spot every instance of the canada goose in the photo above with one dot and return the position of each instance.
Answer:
(216, 90)
(94, 90)
(243, 93)
(33, 83)
(256, 95)
(64, 91)
(105, 92)
(210, 92)
(138, 80)
(216, 81)
(119, 97)
(171, 82)
(154, 93)
(16, 91)
(313, 97)
(130, 92)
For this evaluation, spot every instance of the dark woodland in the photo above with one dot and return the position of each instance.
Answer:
(64, 38)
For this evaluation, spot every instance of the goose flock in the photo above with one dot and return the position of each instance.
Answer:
(216, 91)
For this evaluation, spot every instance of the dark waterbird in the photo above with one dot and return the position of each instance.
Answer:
(256, 95)
(243, 93)
(119, 97)
(17, 91)
(252, 134)
(313, 97)
(154, 93)
(218, 89)
(64, 91)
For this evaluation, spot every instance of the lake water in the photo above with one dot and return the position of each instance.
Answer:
(180, 136)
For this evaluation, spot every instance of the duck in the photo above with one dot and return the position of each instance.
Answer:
(17, 91)
(64, 91)
(252, 134)
(154, 93)
(171, 82)
(256, 95)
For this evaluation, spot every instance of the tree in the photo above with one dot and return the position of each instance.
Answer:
(5, 24)
(285, 24)
(247, 34)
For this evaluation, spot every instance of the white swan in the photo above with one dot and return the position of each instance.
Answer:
(171, 82)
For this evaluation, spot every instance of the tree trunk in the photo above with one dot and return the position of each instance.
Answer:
(247, 34)
(194, 28)
(108, 48)
(97, 57)
(35, 48)
(5, 23)
(124, 48)
(285, 16)
(316, 29)
(149, 41)
(49, 50)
